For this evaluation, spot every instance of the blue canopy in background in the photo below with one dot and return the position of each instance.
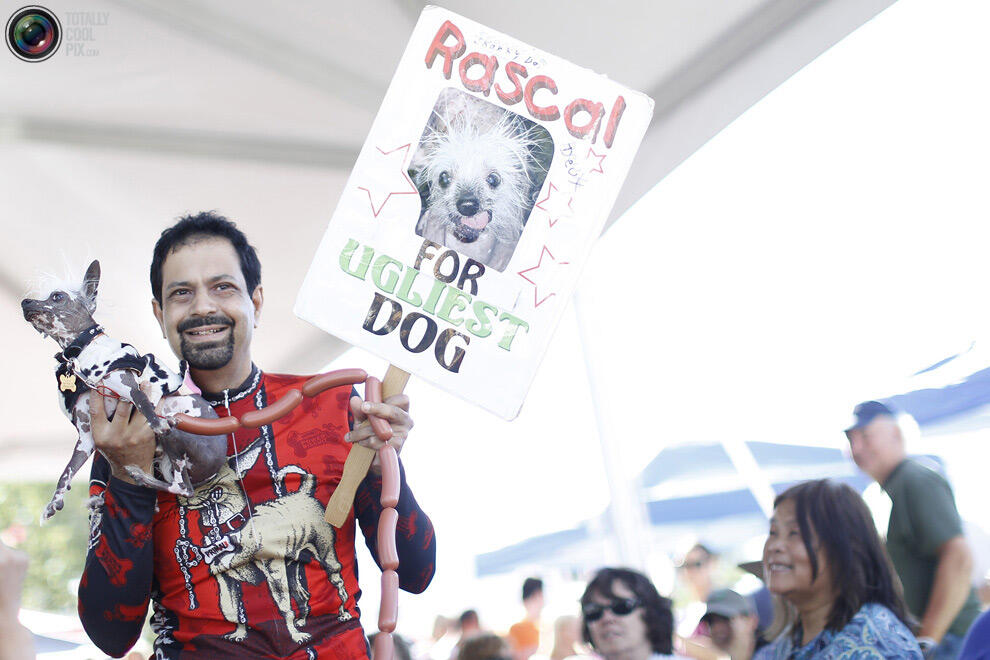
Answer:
(697, 486)
(686, 486)
(953, 388)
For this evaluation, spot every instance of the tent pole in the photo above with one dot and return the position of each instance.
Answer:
(745, 464)
(626, 512)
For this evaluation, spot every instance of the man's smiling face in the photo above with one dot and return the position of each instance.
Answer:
(206, 313)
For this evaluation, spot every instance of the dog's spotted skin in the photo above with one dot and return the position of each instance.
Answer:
(89, 360)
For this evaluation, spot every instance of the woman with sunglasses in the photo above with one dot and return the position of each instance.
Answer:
(624, 618)
(836, 592)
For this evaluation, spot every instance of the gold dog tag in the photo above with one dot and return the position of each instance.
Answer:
(67, 383)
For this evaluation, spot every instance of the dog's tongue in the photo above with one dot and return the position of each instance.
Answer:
(188, 382)
(477, 221)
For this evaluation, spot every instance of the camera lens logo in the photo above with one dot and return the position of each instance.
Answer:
(33, 33)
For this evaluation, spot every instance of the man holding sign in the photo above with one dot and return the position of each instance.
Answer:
(246, 566)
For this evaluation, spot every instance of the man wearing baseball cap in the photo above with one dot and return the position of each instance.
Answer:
(732, 624)
(924, 535)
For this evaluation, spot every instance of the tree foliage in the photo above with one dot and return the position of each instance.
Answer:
(57, 549)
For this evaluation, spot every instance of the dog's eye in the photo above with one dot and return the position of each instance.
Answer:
(494, 179)
(58, 297)
(444, 179)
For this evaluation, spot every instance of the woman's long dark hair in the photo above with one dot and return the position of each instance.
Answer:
(861, 572)
(656, 609)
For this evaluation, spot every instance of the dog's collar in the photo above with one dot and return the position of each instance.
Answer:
(79, 343)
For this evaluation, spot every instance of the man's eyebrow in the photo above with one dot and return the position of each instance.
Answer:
(215, 278)
(173, 285)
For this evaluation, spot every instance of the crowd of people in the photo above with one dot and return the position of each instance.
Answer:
(834, 590)
(832, 587)
(208, 572)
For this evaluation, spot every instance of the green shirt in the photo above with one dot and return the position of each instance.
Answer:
(923, 516)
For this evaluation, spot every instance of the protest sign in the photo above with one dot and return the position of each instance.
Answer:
(485, 179)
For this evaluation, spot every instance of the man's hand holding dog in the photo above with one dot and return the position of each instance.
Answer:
(395, 410)
(125, 440)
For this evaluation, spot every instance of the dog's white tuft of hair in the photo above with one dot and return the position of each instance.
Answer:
(469, 145)
(44, 283)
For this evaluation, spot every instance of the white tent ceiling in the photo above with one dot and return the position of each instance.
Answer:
(259, 111)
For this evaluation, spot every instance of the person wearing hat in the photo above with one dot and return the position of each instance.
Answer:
(924, 535)
(731, 622)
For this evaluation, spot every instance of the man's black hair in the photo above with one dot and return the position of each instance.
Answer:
(468, 616)
(656, 613)
(531, 586)
(192, 228)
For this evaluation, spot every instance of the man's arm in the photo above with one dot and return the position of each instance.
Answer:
(116, 581)
(950, 588)
(414, 539)
(938, 534)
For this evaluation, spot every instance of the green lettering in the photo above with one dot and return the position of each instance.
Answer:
(346, 256)
(454, 298)
(510, 332)
(405, 289)
(393, 276)
(483, 326)
(430, 306)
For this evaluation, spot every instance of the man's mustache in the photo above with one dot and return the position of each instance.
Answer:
(200, 321)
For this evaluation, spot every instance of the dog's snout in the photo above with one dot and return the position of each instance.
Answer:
(468, 205)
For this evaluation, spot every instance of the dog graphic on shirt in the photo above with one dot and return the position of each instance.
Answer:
(266, 545)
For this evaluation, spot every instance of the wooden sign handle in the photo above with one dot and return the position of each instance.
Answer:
(359, 458)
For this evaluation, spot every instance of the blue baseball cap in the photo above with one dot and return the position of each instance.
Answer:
(867, 411)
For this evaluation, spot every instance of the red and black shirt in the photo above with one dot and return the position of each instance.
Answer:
(247, 566)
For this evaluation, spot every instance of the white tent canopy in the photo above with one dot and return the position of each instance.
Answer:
(259, 112)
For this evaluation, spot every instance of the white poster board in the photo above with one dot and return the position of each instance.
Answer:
(486, 178)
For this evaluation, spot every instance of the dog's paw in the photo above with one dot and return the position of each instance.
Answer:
(179, 489)
(47, 514)
(51, 509)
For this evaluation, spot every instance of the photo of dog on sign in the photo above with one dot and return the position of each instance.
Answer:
(479, 169)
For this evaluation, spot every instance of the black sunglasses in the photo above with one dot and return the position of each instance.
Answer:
(621, 607)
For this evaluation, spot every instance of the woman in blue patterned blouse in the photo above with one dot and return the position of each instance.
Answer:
(836, 593)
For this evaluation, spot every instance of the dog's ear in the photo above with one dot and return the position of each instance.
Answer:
(91, 282)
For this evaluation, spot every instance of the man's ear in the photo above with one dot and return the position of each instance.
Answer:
(156, 308)
(91, 283)
(258, 301)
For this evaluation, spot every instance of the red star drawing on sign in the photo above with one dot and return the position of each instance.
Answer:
(547, 274)
(556, 206)
(601, 158)
(391, 178)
